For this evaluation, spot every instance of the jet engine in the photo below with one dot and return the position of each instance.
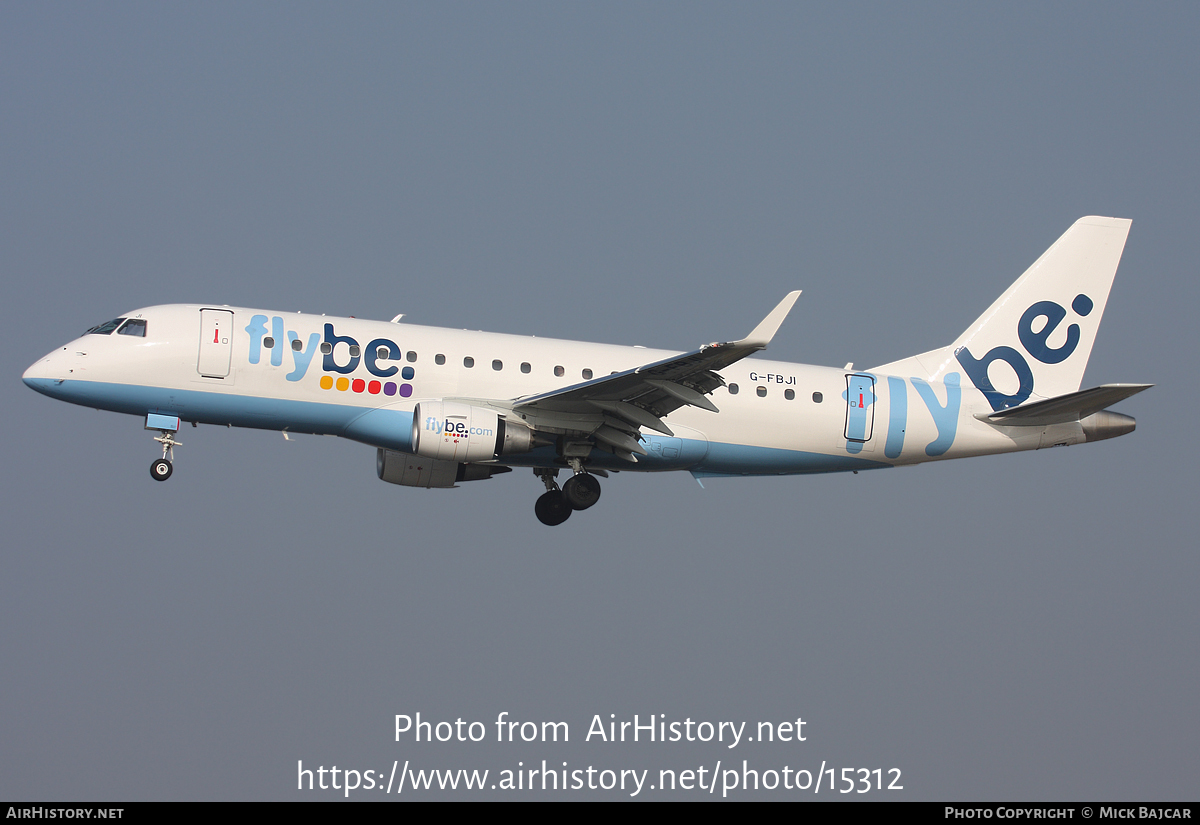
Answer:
(456, 432)
(420, 471)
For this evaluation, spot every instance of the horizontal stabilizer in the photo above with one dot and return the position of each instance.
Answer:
(1070, 407)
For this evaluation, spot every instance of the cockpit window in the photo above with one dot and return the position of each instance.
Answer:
(105, 329)
(134, 326)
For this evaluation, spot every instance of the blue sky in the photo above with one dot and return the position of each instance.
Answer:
(1015, 627)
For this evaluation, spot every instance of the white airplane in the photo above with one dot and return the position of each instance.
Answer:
(443, 406)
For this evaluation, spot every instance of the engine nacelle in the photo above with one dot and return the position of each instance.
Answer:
(451, 431)
(420, 471)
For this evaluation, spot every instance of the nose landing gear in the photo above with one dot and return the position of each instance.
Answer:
(161, 469)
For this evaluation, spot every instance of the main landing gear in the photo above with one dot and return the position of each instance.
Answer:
(161, 469)
(579, 492)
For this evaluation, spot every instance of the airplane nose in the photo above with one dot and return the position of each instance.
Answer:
(42, 373)
(35, 372)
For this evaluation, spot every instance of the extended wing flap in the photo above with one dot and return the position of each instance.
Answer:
(685, 394)
(634, 415)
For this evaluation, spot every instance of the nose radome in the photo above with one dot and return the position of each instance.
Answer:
(36, 370)
(42, 371)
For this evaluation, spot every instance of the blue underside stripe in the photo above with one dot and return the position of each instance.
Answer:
(392, 428)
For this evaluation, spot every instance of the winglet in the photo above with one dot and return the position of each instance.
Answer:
(765, 331)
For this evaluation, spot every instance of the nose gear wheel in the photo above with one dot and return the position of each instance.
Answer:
(161, 468)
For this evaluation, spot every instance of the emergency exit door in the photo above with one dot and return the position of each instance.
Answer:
(216, 342)
(860, 407)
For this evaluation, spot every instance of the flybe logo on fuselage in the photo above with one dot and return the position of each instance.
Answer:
(373, 358)
(1035, 342)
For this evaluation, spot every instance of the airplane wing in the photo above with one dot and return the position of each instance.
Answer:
(611, 410)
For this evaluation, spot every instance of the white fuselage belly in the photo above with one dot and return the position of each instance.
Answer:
(901, 420)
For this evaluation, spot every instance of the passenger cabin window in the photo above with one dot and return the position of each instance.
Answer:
(105, 329)
(297, 344)
(789, 394)
(412, 357)
(525, 367)
(268, 342)
(439, 359)
(134, 326)
(382, 354)
(559, 372)
(326, 347)
(762, 392)
(355, 351)
(733, 389)
(468, 362)
(817, 398)
(497, 365)
(587, 375)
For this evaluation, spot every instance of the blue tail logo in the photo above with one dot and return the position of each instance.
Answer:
(1034, 343)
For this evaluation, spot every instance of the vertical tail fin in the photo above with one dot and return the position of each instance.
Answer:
(1034, 341)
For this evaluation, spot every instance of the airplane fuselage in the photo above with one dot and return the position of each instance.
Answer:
(240, 367)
